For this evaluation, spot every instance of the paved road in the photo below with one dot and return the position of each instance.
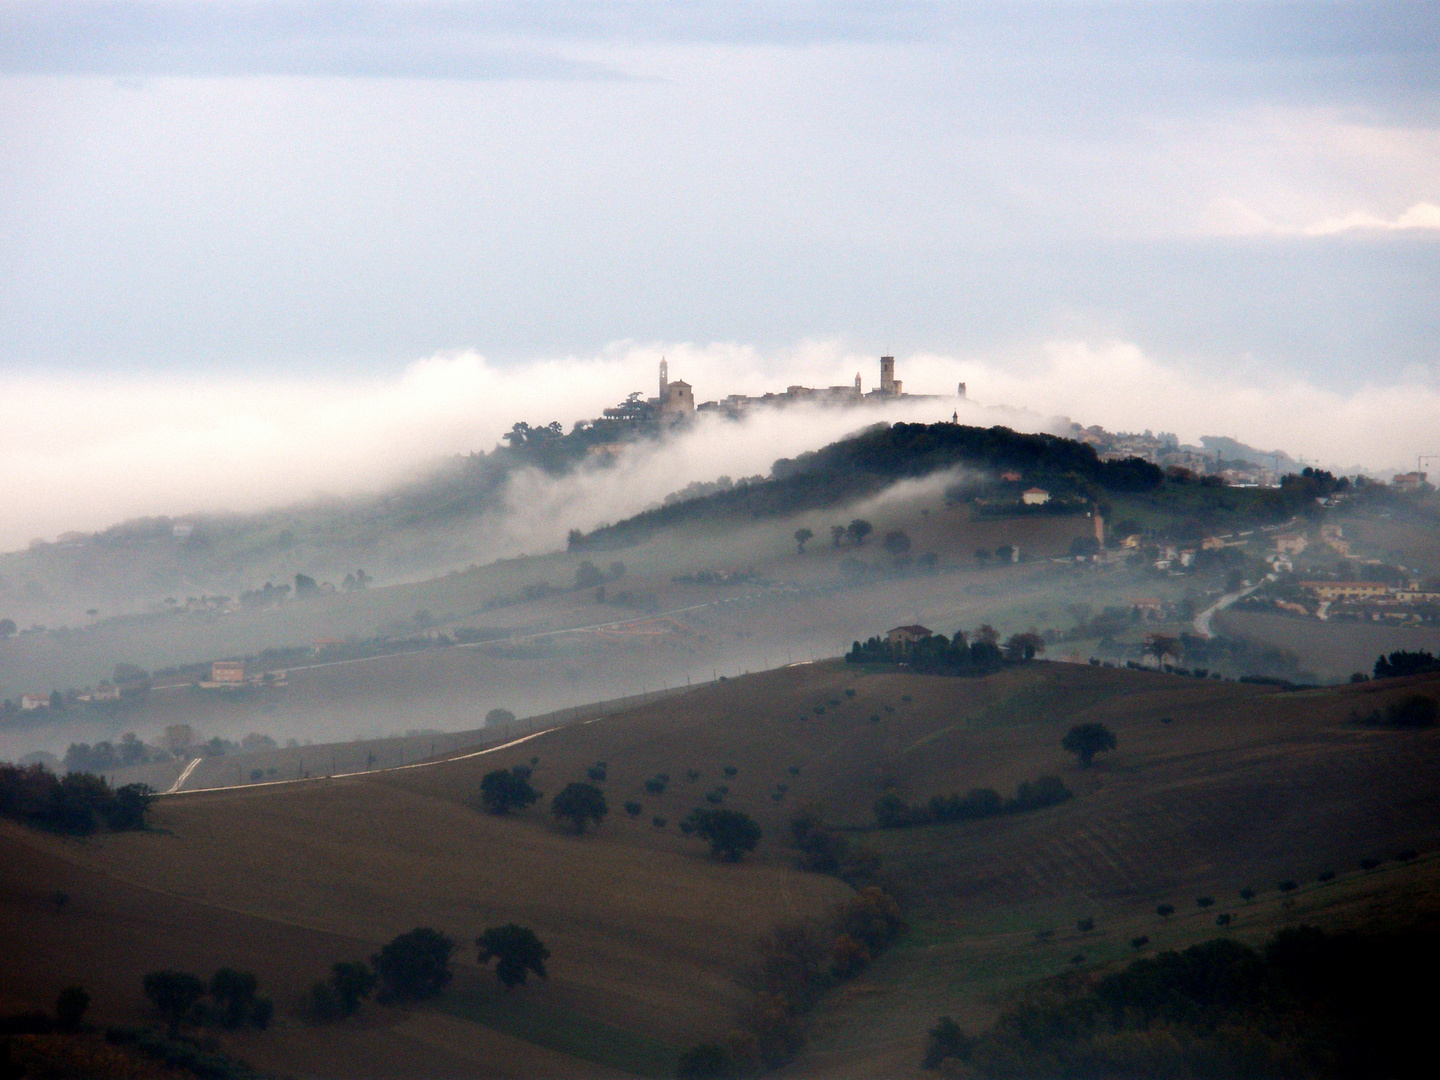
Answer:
(1202, 621)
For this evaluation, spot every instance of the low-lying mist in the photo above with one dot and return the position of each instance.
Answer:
(82, 453)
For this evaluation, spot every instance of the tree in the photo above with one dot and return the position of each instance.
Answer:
(897, 543)
(499, 718)
(802, 537)
(1087, 740)
(234, 993)
(857, 530)
(1024, 646)
(517, 950)
(414, 965)
(837, 533)
(7, 628)
(305, 585)
(505, 790)
(730, 832)
(353, 981)
(173, 993)
(588, 575)
(579, 804)
(1161, 646)
(70, 1007)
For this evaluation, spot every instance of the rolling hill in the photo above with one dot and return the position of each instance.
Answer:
(1213, 787)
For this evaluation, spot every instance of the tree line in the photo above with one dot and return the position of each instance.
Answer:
(1307, 1003)
(76, 804)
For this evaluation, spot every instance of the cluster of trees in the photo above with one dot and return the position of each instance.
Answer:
(825, 850)
(951, 656)
(893, 812)
(415, 966)
(865, 463)
(1405, 663)
(106, 757)
(233, 1002)
(1309, 1003)
(1414, 711)
(796, 964)
(76, 804)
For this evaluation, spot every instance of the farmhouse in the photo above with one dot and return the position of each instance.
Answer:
(908, 635)
(1035, 496)
(30, 702)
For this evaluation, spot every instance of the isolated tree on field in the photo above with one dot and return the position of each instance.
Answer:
(1087, 740)
(837, 533)
(414, 965)
(516, 949)
(1160, 646)
(499, 718)
(505, 790)
(7, 628)
(730, 832)
(802, 537)
(173, 993)
(1024, 646)
(588, 575)
(579, 804)
(857, 530)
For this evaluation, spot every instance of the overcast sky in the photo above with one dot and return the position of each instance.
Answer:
(1246, 195)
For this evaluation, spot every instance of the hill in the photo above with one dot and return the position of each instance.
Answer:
(1213, 787)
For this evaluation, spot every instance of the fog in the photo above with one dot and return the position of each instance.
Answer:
(81, 452)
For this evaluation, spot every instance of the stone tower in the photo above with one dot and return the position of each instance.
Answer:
(664, 378)
(888, 385)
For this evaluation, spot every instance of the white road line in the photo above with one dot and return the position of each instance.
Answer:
(184, 775)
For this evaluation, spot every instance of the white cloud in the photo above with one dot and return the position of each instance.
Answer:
(83, 453)
(1423, 215)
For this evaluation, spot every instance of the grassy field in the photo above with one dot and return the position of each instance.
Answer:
(1333, 650)
(1214, 787)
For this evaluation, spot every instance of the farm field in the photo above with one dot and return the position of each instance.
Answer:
(1213, 787)
(1333, 650)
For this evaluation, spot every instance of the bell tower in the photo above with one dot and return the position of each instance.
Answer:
(664, 377)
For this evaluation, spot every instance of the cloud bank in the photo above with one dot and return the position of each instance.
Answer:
(82, 453)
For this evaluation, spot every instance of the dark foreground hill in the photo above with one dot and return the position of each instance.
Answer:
(1213, 788)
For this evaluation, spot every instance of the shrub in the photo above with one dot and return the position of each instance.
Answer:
(70, 1007)
(731, 770)
(173, 993)
(1247, 894)
(1223, 919)
(1165, 910)
(658, 822)
(1369, 864)
(1139, 942)
(1288, 886)
(634, 809)
(1326, 875)
(947, 1040)
(1203, 902)
(1084, 926)
(706, 1062)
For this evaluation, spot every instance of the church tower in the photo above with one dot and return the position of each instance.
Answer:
(664, 378)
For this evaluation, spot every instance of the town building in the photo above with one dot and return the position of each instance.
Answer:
(231, 672)
(1347, 590)
(1035, 496)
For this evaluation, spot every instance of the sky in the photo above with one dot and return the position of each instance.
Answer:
(253, 230)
